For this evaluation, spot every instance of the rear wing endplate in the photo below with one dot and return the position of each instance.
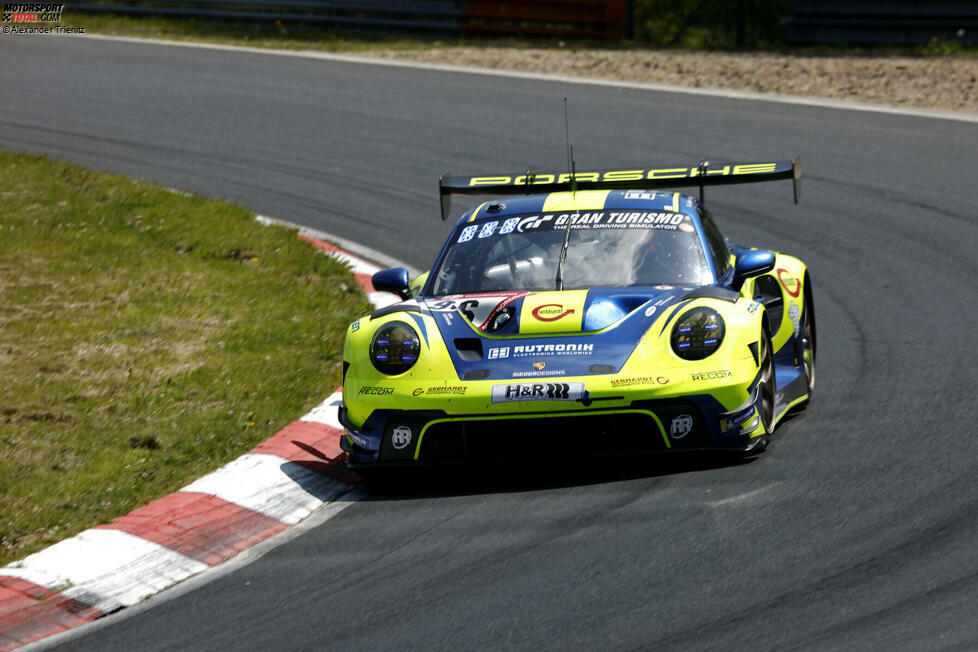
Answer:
(700, 175)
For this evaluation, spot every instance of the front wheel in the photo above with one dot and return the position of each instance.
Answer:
(808, 339)
(766, 384)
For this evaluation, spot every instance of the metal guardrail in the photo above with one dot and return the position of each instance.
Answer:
(896, 22)
(608, 19)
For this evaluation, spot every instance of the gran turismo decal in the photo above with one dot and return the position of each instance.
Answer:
(790, 283)
(513, 392)
(658, 219)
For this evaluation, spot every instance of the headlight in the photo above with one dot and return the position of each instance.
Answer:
(697, 334)
(395, 348)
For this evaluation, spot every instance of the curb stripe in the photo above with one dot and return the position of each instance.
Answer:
(107, 569)
(29, 612)
(197, 525)
(267, 484)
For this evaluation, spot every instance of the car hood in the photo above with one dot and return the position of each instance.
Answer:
(527, 334)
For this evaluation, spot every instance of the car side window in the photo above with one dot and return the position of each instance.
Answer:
(718, 246)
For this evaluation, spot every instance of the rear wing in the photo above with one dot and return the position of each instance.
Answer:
(640, 179)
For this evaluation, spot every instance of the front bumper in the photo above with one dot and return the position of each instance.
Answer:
(410, 437)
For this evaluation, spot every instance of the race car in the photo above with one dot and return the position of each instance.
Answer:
(583, 313)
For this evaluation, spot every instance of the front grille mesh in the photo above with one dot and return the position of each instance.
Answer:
(571, 435)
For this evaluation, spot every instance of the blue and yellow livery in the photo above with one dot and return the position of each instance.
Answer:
(597, 313)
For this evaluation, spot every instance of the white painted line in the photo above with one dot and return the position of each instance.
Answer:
(270, 485)
(325, 413)
(107, 569)
(963, 116)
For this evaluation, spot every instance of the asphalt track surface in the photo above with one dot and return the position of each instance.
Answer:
(856, 529)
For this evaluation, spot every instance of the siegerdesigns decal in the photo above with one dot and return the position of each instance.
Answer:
(440, 390)
(376, 391)
(790, 283)
(537, 392)
(712, 375)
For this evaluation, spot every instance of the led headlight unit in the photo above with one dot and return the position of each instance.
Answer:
(697, 334)
(394, 348)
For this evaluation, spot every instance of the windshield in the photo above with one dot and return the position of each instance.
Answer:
(604, 249)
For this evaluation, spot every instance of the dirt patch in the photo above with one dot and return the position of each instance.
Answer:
(938, 82)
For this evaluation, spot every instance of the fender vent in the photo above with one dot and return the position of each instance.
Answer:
(469, 348)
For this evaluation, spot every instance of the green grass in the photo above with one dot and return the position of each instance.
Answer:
(265, 35)
(286, 36)
(146, 338)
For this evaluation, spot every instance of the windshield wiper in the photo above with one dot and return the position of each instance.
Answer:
(563, 256)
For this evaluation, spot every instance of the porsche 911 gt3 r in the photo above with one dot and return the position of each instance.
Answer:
(585, 313)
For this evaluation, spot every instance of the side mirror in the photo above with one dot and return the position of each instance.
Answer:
(750, 264)
(393, 280)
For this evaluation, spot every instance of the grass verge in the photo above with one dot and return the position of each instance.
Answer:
(283, 36)
(146, 338)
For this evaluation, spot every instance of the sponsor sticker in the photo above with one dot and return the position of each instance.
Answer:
(440, 390)
(355, 326)
(712, 375)
(790, 283)
(638, 380)
(753, 306)
(539, 366)
(551, 312)
(681, 426)
(650, 311)
(401, 437)
(538, 374)
(537, 350)
(376, 391)
(512, 392)
(736, 420)
(358, 439)
(795, 314)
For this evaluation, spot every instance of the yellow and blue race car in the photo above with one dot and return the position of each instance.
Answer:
(582, 313)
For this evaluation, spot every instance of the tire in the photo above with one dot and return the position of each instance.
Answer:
(809, 339)
(766, 385)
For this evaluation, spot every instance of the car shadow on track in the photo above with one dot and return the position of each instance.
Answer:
(534, 475)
